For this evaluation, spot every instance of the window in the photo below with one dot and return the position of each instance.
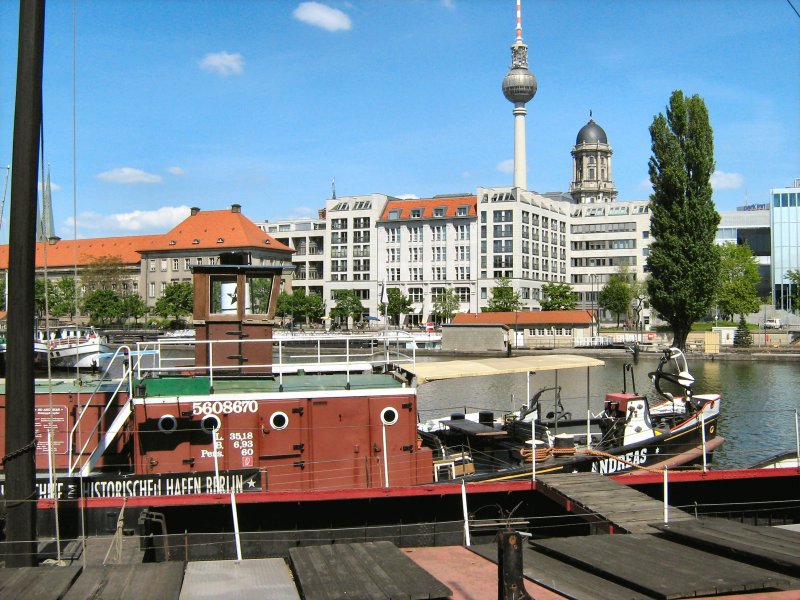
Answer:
(415, 294)
(439, 273)
(502, 216)
(439, 233)
(462, 211)
(338, 223)
(187, 264)
(503, 231)
(462, 252)
(341, 206)
(462, 273)
(462, 293)
(361, 223)
(199, 260)
(151, 289)
(152, 265)
(362, 205)
(483, 293)
(462, 232)
(415, 233)
(414, 254)
(391, 235)
(439, 254)
(416, 213)
(392, 254)
(438, 212)
(394, 214)
(176, 263)
(436, 293)
(416, 273)
(394, 274)
(163, 286)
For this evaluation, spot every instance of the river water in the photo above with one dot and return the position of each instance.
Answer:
(757, 419)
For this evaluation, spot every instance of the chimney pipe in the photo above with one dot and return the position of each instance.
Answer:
(195, 210)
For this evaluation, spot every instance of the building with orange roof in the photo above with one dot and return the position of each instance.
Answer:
(532, 329)
(149, 262)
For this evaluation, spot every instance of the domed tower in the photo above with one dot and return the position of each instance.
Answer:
(519, 87)
(591, 166)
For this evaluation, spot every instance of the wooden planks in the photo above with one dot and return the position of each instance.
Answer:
(371, 570)
(768, 546)
(562, 577)
(662, 568)
(610, 504)
(151, 581)
(37, 583)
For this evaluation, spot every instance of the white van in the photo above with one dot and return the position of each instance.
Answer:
(772, 324)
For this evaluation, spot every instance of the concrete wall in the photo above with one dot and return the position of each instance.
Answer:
(475, 338)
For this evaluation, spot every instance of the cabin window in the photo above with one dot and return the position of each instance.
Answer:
(279, 420)
(259, 291)
(223, 292)
(389, 415)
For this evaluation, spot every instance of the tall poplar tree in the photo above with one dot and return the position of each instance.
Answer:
(684, 261)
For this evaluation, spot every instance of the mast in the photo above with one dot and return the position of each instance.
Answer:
(20, 457)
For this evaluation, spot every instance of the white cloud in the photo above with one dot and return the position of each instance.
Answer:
(645, 185)
(223, 63)
(128, 175)
(138, 221)
(175, 171)
(507, 166)
(54, 187)
(322, 15)
(408, 197)
(449, 3)
(726, 181)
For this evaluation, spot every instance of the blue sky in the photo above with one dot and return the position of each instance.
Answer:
(207, 103)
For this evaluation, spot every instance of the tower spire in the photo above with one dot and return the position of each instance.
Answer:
(519, 87)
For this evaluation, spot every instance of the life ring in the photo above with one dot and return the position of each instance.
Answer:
(651, 336)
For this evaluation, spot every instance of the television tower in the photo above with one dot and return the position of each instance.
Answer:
(519, 87)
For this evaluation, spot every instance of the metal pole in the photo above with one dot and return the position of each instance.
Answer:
(385, 458)
(467, 541)
(20, 467)
(666, 498)
(797, 437)
(703, 436)
(236, 527)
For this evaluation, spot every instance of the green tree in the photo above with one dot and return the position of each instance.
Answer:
(616, 295)
(446, 305)
(398, 303)
(504, 298)
(738, 278)
(62, 297)
(315, 307)
(284, 307)
(38, 297)
(348, 305)
(558, 296)
(104, 273)
(794, 277)
(298, 305)
(103, 306)
(133, 307)
(683, 260)
(177, 300)
(742, 338)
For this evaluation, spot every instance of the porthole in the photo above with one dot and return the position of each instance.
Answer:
(389, 416)
(167, 423)
(210, 424)
(279, 420)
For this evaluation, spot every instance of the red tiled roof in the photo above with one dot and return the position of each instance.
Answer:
(544, 317)
(217, 229)
(450, 204)
(62, 253)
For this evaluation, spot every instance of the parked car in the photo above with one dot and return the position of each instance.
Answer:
(772, 324)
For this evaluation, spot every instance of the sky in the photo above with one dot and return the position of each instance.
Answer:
(181, 103)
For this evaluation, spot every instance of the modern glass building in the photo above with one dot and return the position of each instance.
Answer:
(785, 224)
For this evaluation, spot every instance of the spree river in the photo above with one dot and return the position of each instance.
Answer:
(757, 418)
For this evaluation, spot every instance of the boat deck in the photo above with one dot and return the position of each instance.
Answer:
(199, 386)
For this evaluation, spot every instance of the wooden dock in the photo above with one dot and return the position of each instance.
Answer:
(609, 506)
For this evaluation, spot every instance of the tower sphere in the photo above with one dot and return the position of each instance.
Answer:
(519, 85)
(591, 133)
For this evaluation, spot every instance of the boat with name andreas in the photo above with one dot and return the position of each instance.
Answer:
(631, 432)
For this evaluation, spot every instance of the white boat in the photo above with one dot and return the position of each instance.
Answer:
(70, 346)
